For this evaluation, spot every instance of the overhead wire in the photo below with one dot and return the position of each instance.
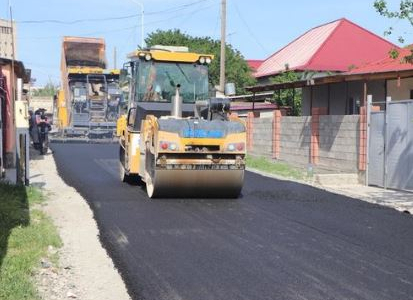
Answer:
(125, 28)
(190, 15)
(249, 29)
(78, 21)
(72, 22)
(131, 28)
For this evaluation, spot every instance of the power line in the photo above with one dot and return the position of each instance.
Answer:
(77, 21)
(124, 28)
(249, 29)
(177, 8)
(190, 15)
(169, 10)
(84, 34)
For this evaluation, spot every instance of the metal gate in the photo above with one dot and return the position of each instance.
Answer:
(391, 146)
(376, 149)
(399, 145)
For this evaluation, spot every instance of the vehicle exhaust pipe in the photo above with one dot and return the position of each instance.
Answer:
(177, 104)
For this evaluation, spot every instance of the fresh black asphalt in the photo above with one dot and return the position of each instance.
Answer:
(280, 240)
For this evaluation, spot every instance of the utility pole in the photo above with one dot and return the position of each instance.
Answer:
(114, 57)
(223, 30)
(13, 57)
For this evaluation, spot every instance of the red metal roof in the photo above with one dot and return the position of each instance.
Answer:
(254, 63)
(386, 64)
(333, 46)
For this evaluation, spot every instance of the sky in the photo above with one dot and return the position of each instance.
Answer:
(256, 28)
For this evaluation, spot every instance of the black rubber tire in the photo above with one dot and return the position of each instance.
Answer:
(124, 177)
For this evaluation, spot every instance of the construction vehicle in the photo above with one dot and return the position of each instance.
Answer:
(173, 138)
(89, 101)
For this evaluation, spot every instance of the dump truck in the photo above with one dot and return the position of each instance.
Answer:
(89, 102)
(175, 138)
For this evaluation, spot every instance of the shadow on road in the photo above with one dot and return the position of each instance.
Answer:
(14, 212)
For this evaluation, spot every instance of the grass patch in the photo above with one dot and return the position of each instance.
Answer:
(25, 234)
(275, 167)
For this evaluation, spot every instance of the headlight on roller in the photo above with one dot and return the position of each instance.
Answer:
(164, 146)
(236, 147)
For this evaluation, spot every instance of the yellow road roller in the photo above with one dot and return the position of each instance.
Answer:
(174, 138)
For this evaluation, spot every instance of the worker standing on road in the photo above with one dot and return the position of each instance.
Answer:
(33, 129)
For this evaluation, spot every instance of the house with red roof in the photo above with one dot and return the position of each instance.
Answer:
(343, 64)
(337, 50)
(330, 48)
(254, 64)
(333, 134)
(344, 93)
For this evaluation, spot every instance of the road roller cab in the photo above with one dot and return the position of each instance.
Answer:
(174, 138)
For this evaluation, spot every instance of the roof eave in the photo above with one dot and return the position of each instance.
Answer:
(344, 77)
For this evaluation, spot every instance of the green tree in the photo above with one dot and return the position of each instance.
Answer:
(49, 90)
(237, 69)
(288, 97)
(404, 12)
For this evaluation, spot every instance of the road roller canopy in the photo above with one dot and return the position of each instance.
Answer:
(157, 81)
(157, 73)
(171, 54)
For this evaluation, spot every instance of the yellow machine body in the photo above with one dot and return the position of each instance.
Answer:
(180, 156)
(88, 102)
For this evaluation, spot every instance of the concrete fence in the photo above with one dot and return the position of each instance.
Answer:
(339, 139)
(329, 143)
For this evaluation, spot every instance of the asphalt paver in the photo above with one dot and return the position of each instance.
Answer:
(279, 240)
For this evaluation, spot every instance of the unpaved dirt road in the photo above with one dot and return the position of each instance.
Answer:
(280, 240)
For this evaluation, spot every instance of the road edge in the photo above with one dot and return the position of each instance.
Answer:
(84, 264)
(340, 191)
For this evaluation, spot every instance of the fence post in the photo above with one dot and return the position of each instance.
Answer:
(362, 139)
(250, 128)
(368, 112)
(386, 135)
(276, 131)
(315, 133)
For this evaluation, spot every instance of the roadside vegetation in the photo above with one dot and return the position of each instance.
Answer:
(277, 168)
(49, 90)
(25, 235)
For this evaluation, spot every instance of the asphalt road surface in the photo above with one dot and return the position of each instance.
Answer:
(280, 240)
